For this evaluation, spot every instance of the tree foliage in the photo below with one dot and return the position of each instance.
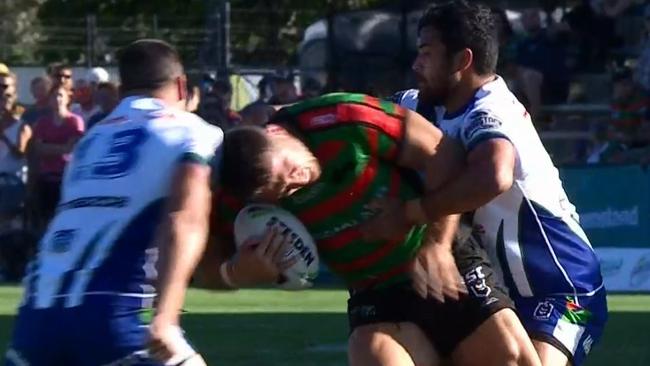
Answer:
(263, 32)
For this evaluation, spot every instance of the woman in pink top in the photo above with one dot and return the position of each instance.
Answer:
(54, 138)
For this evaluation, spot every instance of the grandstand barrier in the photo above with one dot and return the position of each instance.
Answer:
(614, 207)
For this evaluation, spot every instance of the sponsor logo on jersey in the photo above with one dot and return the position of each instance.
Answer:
(323, 120)
(475, 282)
(480, 121)
(640, 272)
(543, 310)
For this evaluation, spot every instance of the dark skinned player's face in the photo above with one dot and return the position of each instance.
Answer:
(432, 67)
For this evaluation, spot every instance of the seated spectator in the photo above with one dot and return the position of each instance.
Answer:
(54, 139)
(84, 102)
(106, 98)
(543, 51)
(642, 69)
(524, 82)
(594, 24)
(606, 147)
(14, 135)
(39, 87)
(629, 107)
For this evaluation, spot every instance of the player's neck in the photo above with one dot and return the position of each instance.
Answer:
(166, 95)
(464, 92)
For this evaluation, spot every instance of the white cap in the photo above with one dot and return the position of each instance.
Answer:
(97, 75)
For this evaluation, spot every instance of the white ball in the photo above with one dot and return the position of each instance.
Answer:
(254, 220)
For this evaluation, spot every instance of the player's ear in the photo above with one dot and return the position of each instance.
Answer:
(181, 86)
(299, 176)
(462, 60)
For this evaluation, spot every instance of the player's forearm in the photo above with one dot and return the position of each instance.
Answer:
(208, 274)
(473, 189)
(187, 241)
(441, 232)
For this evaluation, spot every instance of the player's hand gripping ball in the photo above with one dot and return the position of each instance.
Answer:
(254, 220)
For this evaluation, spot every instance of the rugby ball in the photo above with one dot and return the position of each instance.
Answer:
(254, 220)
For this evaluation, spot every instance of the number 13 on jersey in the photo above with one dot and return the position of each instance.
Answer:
(117, 161)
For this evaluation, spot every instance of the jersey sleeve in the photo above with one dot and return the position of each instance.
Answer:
(480, 126)
(202, 141)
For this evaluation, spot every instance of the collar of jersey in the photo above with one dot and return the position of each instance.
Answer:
(483, 91)
(141, 102)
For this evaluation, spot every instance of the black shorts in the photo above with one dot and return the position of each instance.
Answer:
(446, 324)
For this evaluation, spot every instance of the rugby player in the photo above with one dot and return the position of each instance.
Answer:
(138, 189)
(520, 210)
(325, 160)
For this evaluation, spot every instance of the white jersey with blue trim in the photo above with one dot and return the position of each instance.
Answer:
(101, 241)
(532, 230)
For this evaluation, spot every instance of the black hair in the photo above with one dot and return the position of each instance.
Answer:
(148, 64)
(462, 24)
(245, 164)
(222, 86)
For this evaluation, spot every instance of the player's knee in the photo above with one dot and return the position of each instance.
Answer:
(511, 350)
(368, 339)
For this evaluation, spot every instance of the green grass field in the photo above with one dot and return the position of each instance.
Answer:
(272, 327)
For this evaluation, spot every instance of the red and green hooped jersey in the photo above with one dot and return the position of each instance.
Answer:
(356, 139)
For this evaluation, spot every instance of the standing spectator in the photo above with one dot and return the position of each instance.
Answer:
(216, 107)
(106, 97)
(542, 51)
(629, 108)
(39, 87)
(14, 135)
(96, 76)
(54, 139)
(84, 104)
(61, 75)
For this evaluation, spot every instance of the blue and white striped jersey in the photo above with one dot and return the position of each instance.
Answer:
(532, 231)
(101, 241)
